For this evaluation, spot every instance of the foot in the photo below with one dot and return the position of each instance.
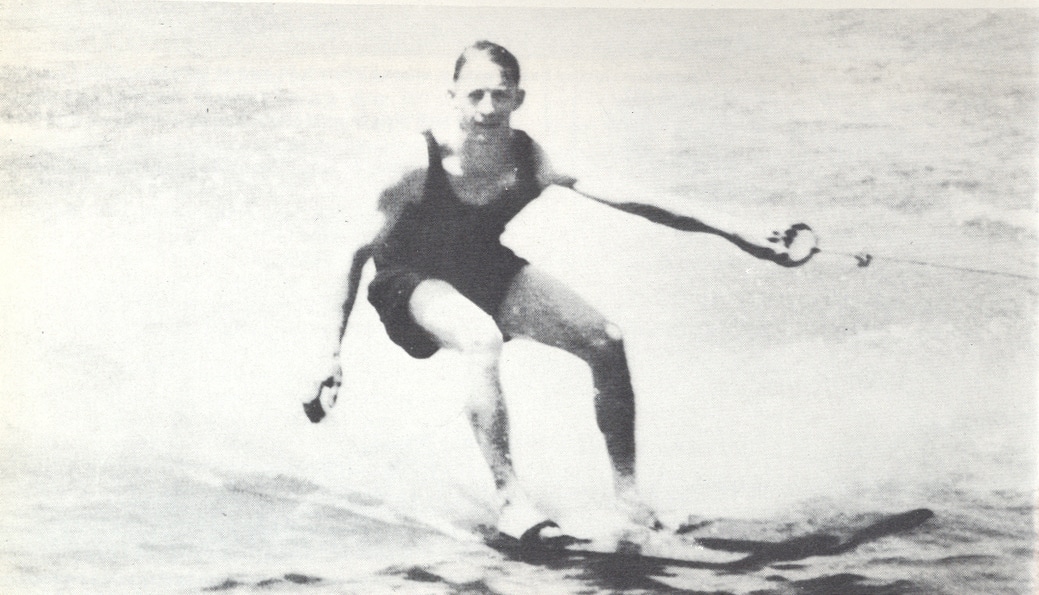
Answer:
(640, 526)
(547, 535)
(642, 515)
(518, 516)
(635, 509)
(523, 522)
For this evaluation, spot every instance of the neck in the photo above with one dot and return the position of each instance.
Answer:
(481, 136)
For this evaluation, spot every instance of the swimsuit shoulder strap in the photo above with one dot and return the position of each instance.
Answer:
(522, 139)
(436, 188)
(523, 146)
(432, 150)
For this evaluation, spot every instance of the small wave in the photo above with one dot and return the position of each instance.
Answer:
(999, 229)
(1003, 223)
(276, 485)
(932, 562)
(419, 574)
(291, 578)
(286, 487)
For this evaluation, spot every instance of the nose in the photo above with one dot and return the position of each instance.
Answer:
(485, 106)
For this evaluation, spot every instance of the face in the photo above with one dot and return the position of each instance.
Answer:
(483, 98)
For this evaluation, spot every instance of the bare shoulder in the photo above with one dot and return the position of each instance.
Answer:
(406, 176)
(547, 174)
(408, 189)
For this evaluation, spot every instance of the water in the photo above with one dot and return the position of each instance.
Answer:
(184, 185)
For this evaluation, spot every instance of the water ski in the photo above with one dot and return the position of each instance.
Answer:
(578, 552)
(765, 553)
(634, 560)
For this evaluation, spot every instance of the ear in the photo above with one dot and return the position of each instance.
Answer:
(450, 93)
(520, 96)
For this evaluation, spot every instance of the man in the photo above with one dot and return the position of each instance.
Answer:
(444, 281)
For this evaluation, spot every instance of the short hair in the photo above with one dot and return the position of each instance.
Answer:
(497, 54)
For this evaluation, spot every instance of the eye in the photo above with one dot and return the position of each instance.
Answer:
(499, 95)
(476, 96)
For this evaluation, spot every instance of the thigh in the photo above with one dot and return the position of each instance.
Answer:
(451, 318)
(541, 307)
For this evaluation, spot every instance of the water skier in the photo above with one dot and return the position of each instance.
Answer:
(444, 280)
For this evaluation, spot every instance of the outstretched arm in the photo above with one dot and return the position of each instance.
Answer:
(791, 248)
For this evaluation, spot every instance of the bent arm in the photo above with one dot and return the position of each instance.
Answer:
(361, 258)
(328, 389)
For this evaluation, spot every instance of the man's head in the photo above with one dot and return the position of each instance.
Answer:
(486, 87)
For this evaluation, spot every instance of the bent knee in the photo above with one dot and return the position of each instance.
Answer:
(454, 321)
(479, 339)
(607, 337)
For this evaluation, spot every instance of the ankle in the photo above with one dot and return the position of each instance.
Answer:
(637, 511)
(518, 513)
(625, 486)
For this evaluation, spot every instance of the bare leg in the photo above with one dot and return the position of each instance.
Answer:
(544, 309)
(461, 326)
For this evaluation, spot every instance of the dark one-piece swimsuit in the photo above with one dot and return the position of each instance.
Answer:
(440, 237)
